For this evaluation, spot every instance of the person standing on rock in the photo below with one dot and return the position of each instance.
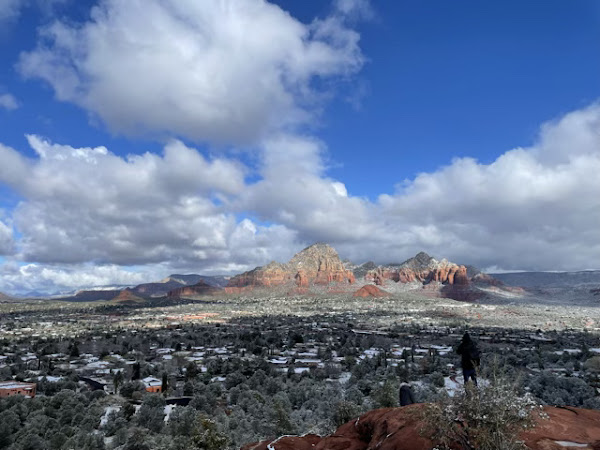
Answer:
(406, 395)
(470, 358)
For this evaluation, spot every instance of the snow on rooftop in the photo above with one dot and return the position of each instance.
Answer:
(15, 385)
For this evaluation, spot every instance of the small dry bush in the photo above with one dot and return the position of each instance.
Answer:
(488, 417)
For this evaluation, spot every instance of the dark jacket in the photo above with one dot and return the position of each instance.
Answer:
(469, 354)
(406, 395)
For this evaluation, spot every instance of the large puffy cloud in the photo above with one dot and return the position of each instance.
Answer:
(50, 279)
(532, 208)
(89, 217)
(294, 192)
(247, 245)
(88, 204)
(229, 71)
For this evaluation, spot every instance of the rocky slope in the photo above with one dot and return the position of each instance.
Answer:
(318, 264)
(398, 428)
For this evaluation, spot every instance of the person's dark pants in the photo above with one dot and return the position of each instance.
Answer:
(470, 373)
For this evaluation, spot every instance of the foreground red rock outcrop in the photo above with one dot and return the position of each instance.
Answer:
(398, 429)
(318, 264)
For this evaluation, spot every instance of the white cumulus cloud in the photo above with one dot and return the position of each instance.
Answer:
(532, 208)
(88, 204)
(225, 71)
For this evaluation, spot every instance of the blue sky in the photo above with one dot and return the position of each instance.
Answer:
(469, 129)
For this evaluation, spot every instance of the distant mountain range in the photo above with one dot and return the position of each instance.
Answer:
(549, 279)
(318, 269)
(145, 291)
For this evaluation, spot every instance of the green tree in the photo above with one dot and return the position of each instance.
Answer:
(152, 412)
(206, 436)
(165, 383)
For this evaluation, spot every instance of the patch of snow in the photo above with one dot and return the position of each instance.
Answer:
(168, 410)
(570, 351)
(452, 386)
(345, 377)
(271, 446)
(107, 411)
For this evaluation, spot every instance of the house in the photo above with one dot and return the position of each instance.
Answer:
(9, 388)
(152, 384)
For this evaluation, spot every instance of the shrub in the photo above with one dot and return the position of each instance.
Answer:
(345, 411)
(486, 418)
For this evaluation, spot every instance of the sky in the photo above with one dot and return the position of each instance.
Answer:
(144, 138)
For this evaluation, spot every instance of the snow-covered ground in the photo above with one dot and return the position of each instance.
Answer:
(455, 384)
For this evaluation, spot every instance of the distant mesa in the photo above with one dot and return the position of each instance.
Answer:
(200, 289)
(174, 282)
(318, 264)
(93, 295)
(147, 291)
(5, 298)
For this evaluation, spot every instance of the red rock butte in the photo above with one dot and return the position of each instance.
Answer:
(398, 428)
(318, 264)
(421, 268)
(370, 290)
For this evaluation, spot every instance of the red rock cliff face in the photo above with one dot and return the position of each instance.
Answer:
(273, 274)
(318, 264)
